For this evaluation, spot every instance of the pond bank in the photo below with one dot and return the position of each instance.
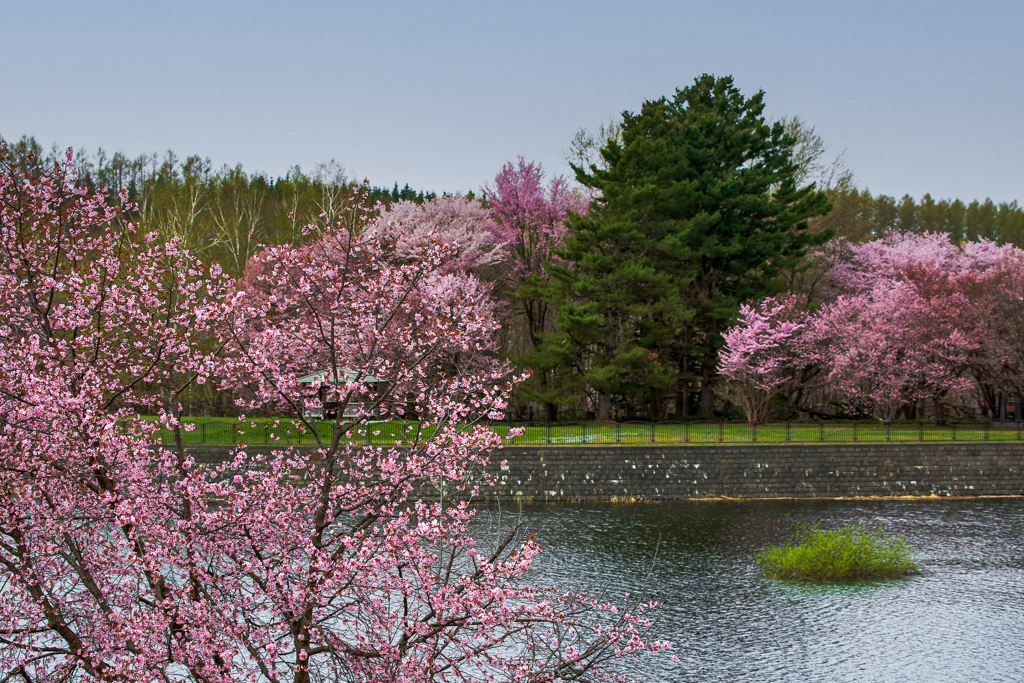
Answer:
(663, 473)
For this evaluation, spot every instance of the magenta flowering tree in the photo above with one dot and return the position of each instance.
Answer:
(763, 352)
(529, 221)
(529, 216)
(342, 563)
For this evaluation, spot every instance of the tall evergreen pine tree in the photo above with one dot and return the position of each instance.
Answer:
(697, 212)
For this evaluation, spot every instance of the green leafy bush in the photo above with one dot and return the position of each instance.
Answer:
(852, 552)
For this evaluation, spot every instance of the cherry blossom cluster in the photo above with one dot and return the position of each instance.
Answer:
(121, 561)
(912, 318)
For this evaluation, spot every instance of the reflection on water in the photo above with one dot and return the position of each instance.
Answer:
(962, 619)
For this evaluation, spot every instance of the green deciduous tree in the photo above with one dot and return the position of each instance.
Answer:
(698, 211)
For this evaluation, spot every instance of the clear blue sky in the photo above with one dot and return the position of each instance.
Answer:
(924, 96)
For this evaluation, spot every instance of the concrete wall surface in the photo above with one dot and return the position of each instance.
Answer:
(622, 473)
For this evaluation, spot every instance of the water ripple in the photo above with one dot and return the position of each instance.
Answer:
(960, 620)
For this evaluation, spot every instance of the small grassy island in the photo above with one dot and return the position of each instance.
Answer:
(852, 552)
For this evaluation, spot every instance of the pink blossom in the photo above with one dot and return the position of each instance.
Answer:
(352, 562)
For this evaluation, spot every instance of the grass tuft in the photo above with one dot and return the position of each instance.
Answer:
(852, 552)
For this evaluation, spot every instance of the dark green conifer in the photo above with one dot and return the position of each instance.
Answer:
(697, 212)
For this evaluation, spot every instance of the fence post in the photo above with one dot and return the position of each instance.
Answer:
(202, 432)
(753, 433)
(888, 431)
(789, 431)
(549, 433)
(988, 427)
(721, 432)
(584, 433)
(821, 432)
(618, 432)
(920, 430)
(953, 425)
(855, 430)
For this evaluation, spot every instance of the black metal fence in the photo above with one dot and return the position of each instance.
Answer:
(627, 433)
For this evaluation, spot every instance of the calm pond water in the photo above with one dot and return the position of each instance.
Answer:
(962, 619)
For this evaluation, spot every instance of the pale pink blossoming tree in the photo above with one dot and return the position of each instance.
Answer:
(763, 352)
(886, 348)
(954, 340)
(122, 563)
(463, 223)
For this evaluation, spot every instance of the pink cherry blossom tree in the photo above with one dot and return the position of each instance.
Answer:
(463, 223)
(950, 290)
(913, 317)
(981, 295)
(347, 562)
(884, 349)
(95, 547)
(763, 352)
(889, 257)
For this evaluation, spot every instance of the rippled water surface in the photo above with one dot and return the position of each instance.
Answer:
(962, 619)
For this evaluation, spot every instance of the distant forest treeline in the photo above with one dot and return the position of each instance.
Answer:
(222, 214)
(859, 216)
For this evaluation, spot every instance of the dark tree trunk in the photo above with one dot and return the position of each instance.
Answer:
(683, 390)
(604, 396)
(604, 407)
(707, 391)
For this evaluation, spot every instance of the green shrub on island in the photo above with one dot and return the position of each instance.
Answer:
(852, 552)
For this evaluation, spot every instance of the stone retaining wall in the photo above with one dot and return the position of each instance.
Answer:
(652, 473)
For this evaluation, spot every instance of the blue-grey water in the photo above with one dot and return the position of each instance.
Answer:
(961, 619)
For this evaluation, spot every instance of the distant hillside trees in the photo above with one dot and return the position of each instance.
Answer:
(219, 214)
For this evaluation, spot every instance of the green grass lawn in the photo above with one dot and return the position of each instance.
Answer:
(285, 431)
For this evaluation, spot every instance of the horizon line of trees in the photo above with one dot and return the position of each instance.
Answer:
(220, 215)
(856, 213)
